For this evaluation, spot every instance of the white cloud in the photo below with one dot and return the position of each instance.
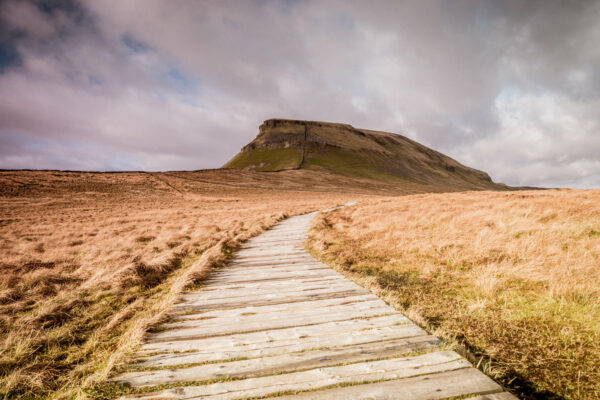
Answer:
(148, 84)
(549, 138)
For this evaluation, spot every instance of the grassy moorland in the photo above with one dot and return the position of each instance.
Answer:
(514, 277)
(89, 261)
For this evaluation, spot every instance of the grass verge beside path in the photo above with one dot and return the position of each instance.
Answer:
(89, 261)
(513, 277)
(89, 330)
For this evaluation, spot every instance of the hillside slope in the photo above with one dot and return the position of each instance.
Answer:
(344, 150)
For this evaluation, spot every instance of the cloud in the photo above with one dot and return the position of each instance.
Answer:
(508, 87)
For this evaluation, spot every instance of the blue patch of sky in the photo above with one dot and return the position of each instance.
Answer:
(49, 6)
(80, 149)
(507, 92)
(286, 6)
(9, 57)
(19, 140)
(94, 80)
(356, 90)
(180, 82)
(482, 20)
(37, 145)
(172, 77)
(344, 21)
(72, 8)
(120, 163)
(133, 44)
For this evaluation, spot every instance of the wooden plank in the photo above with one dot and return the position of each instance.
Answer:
(269, 251)
(248, 275)
(269, 256)
(273, 243)
(286, 265)
(295, 246)
(278, 235)
(254, 322)
(270, 300)
(343, 329)
(230, 350)
(271, 266)
(290, 283)
(280, 363)
(280, 256)
(246, 270)
(290, 272)
(236, 291)
(268, 276)
(305, 309)
(495, 396)
(259, 290)
(355, 303)
(462, 382)
(226, 291)
(281, 235)
(317, 378)
(271, 239)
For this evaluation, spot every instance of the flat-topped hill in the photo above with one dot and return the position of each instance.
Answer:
(341, 149)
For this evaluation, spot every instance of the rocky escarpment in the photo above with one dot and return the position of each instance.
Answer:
(275, 133)
(342, 149)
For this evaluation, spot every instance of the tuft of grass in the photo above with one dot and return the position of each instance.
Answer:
(593, 233)
(520, 234)
(144, 239)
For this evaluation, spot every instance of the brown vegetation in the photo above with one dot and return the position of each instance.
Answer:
(514, 276)
(89, 260)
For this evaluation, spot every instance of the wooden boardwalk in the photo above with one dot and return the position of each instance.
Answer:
(277, 322)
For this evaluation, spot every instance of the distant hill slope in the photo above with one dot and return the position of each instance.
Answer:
(344, 150)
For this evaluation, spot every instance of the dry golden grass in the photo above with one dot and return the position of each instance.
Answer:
(89, 261)
(514, 276)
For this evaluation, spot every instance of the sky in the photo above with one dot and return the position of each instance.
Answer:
(508, 87)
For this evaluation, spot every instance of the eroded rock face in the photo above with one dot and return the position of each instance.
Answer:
(277, 133)
(278, 122)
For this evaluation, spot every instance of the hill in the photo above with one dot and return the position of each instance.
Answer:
(344, 150)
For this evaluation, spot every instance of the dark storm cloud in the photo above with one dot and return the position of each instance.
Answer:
(508, 87)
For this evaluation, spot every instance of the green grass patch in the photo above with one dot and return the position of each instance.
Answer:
(267, 160)
(520, 234)
(364, 164)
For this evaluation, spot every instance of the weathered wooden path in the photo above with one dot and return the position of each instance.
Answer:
(277, 322)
